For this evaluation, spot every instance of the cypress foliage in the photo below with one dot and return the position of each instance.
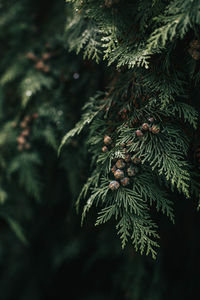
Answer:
(145, 122)
(138, 86)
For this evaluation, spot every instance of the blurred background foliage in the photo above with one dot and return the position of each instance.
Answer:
(44, 253)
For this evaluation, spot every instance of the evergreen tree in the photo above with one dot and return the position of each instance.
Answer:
(140, 116)
(143, 128)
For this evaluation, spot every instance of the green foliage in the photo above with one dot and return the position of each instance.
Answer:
(88, 39)
(25, 164)
(153, 72)
(33, 83)
(38, 101)
(178, 17)
(146, 38)
(15, 226)
(86, 120)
